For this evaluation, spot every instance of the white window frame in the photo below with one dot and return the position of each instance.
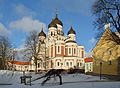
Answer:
(57, 49)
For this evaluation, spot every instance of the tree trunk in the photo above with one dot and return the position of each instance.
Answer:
(35, 64)
(35, 67)
(3, 63)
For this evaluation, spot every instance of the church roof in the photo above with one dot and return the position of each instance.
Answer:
(55, 21)
(42, 33)
(52, 24)
(71, 31)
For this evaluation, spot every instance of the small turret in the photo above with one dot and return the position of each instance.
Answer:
(56, 20)
(71, 34)
(42, 32)
(52, 24)
(71, 31)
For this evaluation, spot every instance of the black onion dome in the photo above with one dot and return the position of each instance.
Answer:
(42, 33)
(57, 21)
(52, 24)
(71, 31)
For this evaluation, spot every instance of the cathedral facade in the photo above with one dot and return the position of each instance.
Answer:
(57, 51)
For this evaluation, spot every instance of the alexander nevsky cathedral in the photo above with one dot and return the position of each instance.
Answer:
(58, 51)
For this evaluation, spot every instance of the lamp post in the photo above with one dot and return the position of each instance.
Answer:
(100, 70)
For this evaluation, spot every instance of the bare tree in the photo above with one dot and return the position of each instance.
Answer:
(4, 49)
(106, 11)
(32, 47)
(51, 73)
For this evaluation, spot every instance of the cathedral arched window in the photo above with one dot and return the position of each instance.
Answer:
(51, 33)
(80, 64)
(67, 63)
(58, 50)
(58, 63)
(74, 50)
(71, 64)
(70, 51)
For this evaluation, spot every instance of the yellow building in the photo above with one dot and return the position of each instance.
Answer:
(106, 53)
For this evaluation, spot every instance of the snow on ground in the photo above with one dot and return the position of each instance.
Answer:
(69, 81)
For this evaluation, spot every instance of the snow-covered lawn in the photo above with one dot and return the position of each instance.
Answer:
(69, 81)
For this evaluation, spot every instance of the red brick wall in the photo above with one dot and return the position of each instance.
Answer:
(66, 51)
(62, 50)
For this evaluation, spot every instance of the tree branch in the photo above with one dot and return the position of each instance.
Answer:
(118, 13)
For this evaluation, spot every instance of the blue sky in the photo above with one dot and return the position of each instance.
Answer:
(19, 17)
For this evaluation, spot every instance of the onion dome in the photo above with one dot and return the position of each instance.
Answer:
(56, 20)
(71, 31)
(42, 32)
(52, 24)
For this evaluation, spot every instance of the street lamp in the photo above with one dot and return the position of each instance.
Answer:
(100, 70)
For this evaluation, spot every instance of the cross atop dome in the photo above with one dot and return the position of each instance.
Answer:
(56, 11)
(55, 21)
(42, 27)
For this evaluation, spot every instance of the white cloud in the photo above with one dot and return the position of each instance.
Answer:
(20, 9)
(88, 54)
(92, 40)
(27, 24)
(3, 30)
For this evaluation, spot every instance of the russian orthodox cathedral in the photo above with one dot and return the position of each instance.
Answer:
(57, 51)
